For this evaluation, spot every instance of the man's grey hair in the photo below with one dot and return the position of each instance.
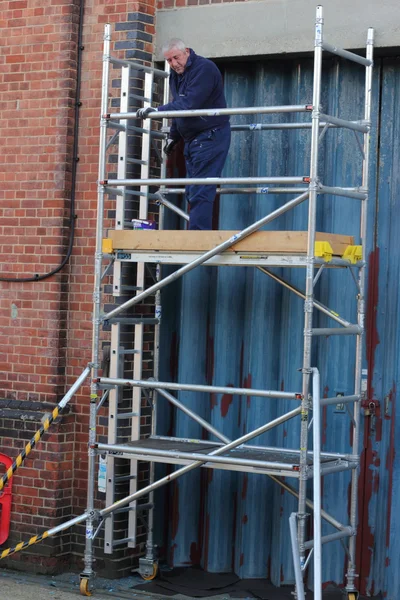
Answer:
(173, 43)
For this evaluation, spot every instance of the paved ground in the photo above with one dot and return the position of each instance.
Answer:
(20, 586)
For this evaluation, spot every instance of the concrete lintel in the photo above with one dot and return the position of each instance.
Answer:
(267, 27)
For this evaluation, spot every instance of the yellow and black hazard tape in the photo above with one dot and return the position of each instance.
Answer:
(46, 424)
(22, 545)
(47, 534)
(26, 451)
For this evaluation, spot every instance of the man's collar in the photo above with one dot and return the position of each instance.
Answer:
(190, 59)
(192, 56)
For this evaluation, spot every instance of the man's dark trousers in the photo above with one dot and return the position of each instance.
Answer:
(205, 156)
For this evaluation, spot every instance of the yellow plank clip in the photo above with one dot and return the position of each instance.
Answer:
(107, 246)
(323, 250)
(353, 254)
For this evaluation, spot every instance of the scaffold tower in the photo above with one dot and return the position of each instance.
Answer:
(132, 398)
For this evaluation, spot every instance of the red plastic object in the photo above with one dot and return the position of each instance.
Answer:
(5, 502)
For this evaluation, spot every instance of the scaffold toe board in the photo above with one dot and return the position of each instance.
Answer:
(263, 248)
(279, 242)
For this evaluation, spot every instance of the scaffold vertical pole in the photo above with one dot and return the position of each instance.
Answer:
(316, 396)
(351, 568)
(88, 558)
(147, 565)
(309, 301)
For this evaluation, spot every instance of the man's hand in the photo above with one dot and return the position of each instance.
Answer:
(143, 113)
(169, 146)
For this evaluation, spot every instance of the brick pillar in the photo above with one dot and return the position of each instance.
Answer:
(132, 38)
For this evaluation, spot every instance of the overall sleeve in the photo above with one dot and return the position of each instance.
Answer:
(199, 88)
(173, 132)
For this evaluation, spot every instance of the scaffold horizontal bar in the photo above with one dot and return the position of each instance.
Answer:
(345, 192)
(338, 468)
(138, 67)
(128, 415)
(131, 288)
(136, 161)
(206, 181)
(147, 506)
(122, 541)
(273, 126)
(216, 112)
(134, 129)
(149, 452)
(348, 532)
(337, 262)
(354, 125)
(122, 478)
(366, 62)
(122, 192)
(239, 190)
(139, 507)
(133, 320)
(139, 97)
(351, 330)
(339, 400)
(187, 387)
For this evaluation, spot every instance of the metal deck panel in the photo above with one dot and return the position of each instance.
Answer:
(260, 460)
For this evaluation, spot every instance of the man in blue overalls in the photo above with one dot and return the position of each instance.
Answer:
(195, 83)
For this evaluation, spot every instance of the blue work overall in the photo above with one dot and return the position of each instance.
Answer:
(205, 156)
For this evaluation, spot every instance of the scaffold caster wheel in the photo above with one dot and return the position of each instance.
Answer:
(152, 575)
(84, 587)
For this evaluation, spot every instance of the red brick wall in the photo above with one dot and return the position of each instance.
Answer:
(37, 86)
(41, 491)
(45, 326)
(37, 90)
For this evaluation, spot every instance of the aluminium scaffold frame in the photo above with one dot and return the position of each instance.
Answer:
(301, 463)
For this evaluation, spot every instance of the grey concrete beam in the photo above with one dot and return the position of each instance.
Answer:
(268, 27)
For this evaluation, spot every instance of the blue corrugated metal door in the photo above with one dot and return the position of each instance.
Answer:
(240, 328)
(380, 475)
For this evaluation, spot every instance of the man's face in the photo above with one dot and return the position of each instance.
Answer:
(177, 59)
